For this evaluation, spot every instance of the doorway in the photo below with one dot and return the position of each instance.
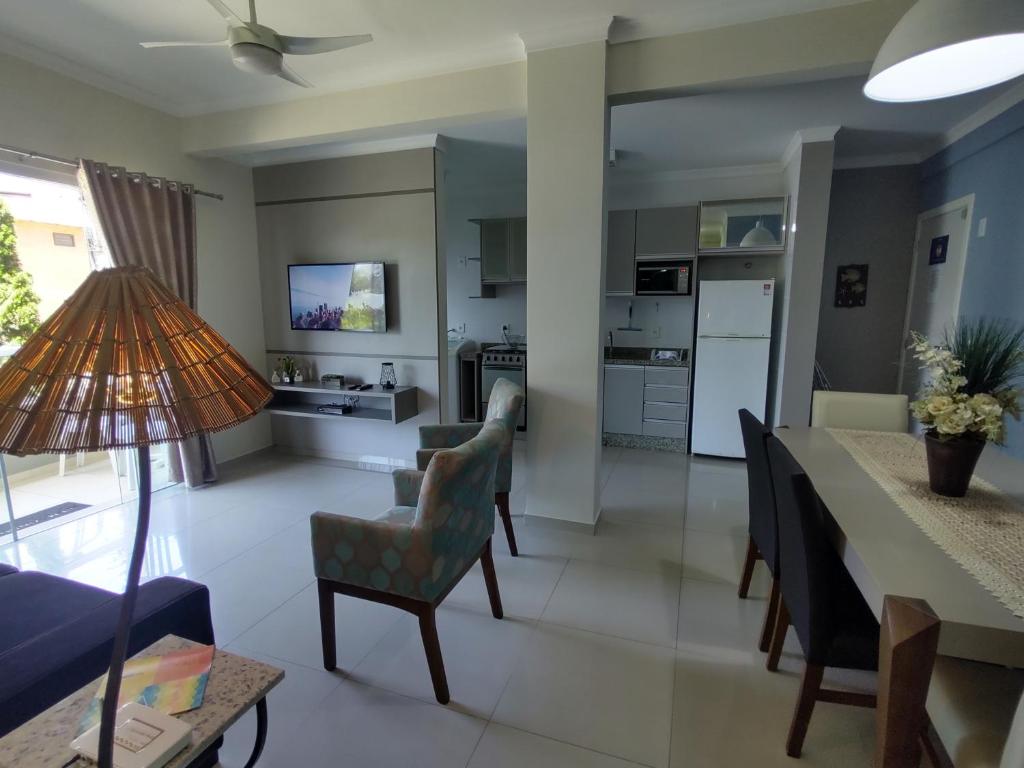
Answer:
(936, 279)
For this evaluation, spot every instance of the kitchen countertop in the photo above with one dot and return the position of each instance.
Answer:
(642, 356)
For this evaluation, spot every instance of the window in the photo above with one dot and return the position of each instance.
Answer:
(64, 239)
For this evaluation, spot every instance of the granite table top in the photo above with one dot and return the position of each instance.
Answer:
(236, 684)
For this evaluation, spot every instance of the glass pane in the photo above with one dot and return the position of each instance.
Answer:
(743, 224)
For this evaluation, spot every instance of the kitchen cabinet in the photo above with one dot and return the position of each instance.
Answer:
(666, 398)
(624, 399)
(502, 251)
(743, 226)
(621, 253)
(662, 232)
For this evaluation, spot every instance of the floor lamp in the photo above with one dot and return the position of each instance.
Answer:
(124, 363)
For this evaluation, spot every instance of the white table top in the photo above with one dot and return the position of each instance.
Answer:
(887, 554)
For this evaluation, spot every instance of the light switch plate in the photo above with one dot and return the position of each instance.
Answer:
(983, 227)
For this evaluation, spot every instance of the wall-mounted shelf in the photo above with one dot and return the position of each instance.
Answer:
(377, 404)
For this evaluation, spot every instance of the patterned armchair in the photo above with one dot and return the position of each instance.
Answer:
(503, 405)
(414, 554)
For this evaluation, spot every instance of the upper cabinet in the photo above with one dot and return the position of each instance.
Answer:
(502, 251)
(662, 232)
(743, 226)
(621, 245)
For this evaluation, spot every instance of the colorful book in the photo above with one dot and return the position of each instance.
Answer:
(170, 683)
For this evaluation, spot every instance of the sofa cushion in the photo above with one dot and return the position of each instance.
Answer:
(39, 671)
(39, 602)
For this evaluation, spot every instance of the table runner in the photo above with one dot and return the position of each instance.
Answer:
(983, 532)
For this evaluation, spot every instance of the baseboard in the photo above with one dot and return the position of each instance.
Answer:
(553, 523)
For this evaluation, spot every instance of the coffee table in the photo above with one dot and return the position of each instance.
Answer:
(236, 685)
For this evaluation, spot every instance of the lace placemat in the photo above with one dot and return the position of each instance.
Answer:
(983, 532)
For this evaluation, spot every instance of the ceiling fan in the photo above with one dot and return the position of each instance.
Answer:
(260, 50)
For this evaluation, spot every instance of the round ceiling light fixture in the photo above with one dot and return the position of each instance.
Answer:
(943, 48)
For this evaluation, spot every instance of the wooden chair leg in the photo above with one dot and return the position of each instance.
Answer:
(501, 502)
(428, 631)
(770, 615)
(809, 687)
(778, 636)
(491, 579)
(748, 567)
(907, 648)
(326, 597)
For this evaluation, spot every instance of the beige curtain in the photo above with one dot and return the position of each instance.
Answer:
(151, 222)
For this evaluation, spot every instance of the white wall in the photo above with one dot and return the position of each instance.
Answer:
(49, 113)
(567, 136)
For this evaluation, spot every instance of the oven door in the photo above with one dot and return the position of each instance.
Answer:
(514, 373)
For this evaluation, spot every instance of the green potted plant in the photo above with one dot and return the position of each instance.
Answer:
(287, 364)
(970, 392)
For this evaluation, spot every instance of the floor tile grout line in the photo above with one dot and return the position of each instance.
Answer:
(557, 740)
(264, 616)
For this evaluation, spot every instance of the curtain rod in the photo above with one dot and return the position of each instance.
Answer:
(74, 164)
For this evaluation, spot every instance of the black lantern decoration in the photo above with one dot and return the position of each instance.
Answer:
(388, 380)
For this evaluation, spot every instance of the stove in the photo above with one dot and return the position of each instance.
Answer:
(504, 362)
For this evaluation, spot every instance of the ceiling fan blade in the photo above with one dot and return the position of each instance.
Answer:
(292, 77)
(228, 15)
(307, 45)
(184, 44)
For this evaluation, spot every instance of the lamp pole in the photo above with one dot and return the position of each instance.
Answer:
(124, 622)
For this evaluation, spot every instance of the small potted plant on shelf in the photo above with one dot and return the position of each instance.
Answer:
(287, 364)
(970, 393)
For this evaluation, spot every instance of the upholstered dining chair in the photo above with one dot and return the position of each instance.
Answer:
(503, 405)
(763, 528)
(860, 410)
(414, 554)
(834, 624)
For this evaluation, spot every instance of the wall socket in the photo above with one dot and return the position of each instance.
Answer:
(656, 332)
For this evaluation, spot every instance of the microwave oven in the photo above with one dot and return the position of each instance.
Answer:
(664, 278)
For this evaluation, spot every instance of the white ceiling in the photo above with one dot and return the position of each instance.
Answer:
(734, 129)
(97, 40)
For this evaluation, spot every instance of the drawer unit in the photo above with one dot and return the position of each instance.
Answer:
(665, 411)
(662, 428)
(666, 377)
(658, 394)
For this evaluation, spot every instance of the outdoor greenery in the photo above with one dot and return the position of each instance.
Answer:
(973, 380)
(19, 303)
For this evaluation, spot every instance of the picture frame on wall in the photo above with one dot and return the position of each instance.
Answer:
(851, 286)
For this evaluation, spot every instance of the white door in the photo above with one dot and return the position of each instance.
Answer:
(730, 374)
(740, 308)
(936, 278)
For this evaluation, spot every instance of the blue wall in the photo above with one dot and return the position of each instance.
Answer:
(988, 162)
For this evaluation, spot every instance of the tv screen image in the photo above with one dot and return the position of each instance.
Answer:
(337, 297)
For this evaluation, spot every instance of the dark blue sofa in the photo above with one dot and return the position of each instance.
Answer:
(56, 634)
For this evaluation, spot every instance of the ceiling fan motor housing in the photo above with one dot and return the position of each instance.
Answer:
(255, 49)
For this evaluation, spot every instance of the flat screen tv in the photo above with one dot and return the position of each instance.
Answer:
(337, 297)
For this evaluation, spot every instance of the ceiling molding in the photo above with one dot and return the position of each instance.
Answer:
(990, 111)
(590, 30)
(877, 161)
(83, 74)
(808, 136)
(333, 150)
(694, 174)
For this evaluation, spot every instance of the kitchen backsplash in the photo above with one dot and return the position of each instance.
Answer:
(667, 321)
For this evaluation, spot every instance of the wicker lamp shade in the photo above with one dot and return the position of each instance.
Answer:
(123, 363)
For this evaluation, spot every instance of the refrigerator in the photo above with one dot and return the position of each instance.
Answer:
(734, 339)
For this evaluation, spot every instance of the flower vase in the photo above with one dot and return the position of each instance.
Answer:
(951, 463)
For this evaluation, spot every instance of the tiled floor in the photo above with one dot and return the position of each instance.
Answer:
(624, 648)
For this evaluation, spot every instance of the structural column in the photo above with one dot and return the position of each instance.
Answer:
(567, 127)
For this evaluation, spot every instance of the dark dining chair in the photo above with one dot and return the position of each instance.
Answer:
(819, 599)
(762, 539)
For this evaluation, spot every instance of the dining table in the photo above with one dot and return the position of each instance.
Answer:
(979, 674)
